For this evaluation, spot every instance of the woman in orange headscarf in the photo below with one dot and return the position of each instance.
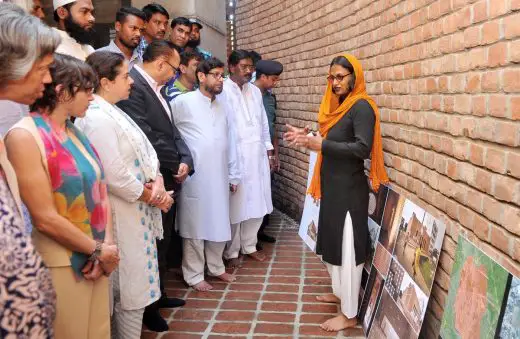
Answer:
(349, 133)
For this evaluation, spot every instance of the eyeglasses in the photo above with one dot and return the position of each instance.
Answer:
(338, 77)
(247, 67)
(217, 76)
(175, 69)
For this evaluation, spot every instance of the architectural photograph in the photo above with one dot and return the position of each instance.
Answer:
(407, 295)
(259, 168)
(391, 220)
(419, 244)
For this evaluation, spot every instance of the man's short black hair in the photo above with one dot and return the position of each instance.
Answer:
(237, 55)
(153, 8)
(207, 65)
(159, 48)
(125, 12)
(255, 56)
(187, 56)
(181, 21)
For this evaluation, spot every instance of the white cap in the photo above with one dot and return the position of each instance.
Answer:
(60, 3)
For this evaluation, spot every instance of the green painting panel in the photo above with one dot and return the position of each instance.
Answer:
(477, 288)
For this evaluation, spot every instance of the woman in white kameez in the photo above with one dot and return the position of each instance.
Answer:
(136, 193)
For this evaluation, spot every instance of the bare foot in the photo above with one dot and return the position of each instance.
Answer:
(258, 256)
(233, 263)
(226, 277)
(203, 286)
(328, 298)
(338, 323)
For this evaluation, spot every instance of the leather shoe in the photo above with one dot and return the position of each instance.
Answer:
(154, 322)
(170, 302)
(266, 238)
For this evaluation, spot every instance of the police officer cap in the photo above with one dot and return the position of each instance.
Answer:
(269, 67)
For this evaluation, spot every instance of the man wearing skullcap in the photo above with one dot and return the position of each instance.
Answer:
(194, 42)
(75, 21)
(267, 77)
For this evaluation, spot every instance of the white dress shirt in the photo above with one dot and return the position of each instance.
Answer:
(155, 87)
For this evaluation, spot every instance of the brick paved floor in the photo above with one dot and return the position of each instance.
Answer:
(272, 299)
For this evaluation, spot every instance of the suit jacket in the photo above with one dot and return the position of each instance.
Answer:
(149, 114)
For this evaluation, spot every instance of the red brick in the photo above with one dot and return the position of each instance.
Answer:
(279, 307)
(284, 280)
(231, 328)
(174, 335)
(243, 296)
(473, 83)
(312, 318)
(493, 209)
(490, 32)
(238, 305)
(498, 106)
(480, 11)
(277, 317)
(315, 330)
(484, 180)
(515, 108)
(187, 326)
(317, 281)
(476, 154)
(497, 54)
(246, 287)
(478, 105)
(496, 160)
(189, 314)
(491, 81)
(471, 36)
(505, 188)
(510, 26)
(500, 238)
(280, 297)
(320, 308)
(235, 316)
(515, 4)
(204, 304)
(513, 164)
(511, 80)
(270, 328)
(498, 8)
(205, 295)
(283, 288)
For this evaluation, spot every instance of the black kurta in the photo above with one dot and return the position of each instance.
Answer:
(344, 185)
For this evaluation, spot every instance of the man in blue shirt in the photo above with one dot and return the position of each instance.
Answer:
(156, 23)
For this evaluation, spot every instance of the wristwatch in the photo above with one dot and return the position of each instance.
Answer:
(97, 252)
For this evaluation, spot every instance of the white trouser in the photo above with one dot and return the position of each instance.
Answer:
(346, 279)
(243, 238)
(196, 253)
(126, 324)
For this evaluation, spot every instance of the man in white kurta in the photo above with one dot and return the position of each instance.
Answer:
(75, 26)
(252, 201)
(203, 203)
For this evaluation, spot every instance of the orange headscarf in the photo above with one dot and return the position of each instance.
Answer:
(331, 112)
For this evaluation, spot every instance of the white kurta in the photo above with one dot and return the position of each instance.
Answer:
(253, 197)
(69, 46)
(203, 202)
(133, 220)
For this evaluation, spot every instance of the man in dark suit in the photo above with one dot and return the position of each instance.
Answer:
(148, 108)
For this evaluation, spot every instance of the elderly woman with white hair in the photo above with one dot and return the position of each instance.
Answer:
(27, 297)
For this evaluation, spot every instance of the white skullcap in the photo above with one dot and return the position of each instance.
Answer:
(59, 3)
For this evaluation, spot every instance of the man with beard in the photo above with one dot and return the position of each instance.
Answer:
(129, 24)
(180, 33)
(187, 78)
(202, 119)
(76, 27)
(194, 42)
(156, 23)
(252, 201)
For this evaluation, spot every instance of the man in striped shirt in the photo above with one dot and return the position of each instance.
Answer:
(187, 77)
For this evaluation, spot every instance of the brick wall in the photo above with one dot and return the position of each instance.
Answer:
(446, 77)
